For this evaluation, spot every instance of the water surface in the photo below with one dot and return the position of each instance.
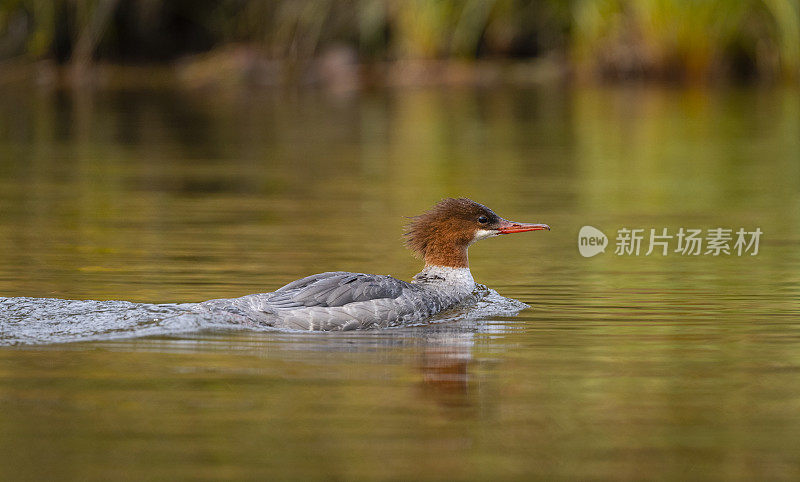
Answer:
(624, 366)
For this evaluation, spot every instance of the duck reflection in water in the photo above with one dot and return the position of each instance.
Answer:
(444, 362)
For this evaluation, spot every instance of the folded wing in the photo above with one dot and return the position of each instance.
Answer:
(336, 289)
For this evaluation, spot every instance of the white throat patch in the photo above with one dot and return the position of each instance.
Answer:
(483, 234)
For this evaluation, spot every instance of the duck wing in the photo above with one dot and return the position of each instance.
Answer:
(336, 289)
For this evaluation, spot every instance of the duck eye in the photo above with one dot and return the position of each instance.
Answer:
(483, 220)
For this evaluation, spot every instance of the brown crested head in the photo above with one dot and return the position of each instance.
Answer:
(442, 234)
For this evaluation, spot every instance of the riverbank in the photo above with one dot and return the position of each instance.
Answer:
(337, 70)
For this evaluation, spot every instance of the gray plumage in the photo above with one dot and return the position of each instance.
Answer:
(343, 301)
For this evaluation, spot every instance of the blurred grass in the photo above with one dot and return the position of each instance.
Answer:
(694, 41)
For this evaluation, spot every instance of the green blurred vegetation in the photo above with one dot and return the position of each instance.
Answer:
(597, 39)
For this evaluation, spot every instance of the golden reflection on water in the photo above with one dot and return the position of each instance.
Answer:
(625, 367)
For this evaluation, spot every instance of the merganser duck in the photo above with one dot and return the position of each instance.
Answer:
(341, 300)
